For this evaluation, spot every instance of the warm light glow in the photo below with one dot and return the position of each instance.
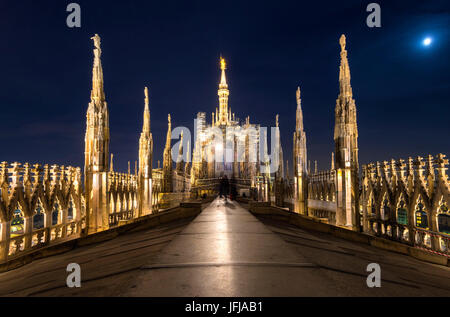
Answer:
(219, 147)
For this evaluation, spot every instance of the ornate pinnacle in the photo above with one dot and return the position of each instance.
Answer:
(112, 164)
(344, 73)
(146, 124)
(332, 160)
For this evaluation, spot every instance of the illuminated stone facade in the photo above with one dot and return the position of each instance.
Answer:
(226, 146)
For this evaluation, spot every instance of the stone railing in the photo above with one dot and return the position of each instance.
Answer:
(321, 186)
(45, 205)
(322, 196)
(170, 200)
(407, 201)
(123, 197)
(39, 205)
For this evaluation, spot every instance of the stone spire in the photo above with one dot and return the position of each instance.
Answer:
(96, 164)
(299, 113)
(167, 159)
(223, 94)
(145, 161)
(345, 130)
(346, 147)
(97, 118)
(300, 151)
(300, 165)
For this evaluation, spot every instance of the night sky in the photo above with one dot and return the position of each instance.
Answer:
(401, 87)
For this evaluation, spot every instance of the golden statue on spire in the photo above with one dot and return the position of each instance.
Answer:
(222, 63)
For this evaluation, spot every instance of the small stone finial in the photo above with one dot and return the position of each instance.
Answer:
(342, 42)
(112, 164)
(188, 151)
(276, 120)
(169, 119)
(298, 95)
(332, 160)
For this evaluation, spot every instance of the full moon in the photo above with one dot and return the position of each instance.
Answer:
(427, 41)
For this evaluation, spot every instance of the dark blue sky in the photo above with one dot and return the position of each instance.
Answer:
(401, 88)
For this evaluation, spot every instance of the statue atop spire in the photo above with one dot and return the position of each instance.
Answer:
(342, 42)
(146, 97)
(222, 63)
